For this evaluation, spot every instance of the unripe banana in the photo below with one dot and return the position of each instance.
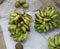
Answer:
(25, 21)
(47, 27)
(51, 43)
(17, 12)
(48, 15)
(59, 39)
(42, 14)
(54, 42)
(46, 19)
(54, 16)
(50, 25)
(17, 17)
(52, 12)
(19, 25)
(23, 29)
(25, 36)
(20, 38)
(36, 25)
(38, 28)
(38, 16)
(54, 24)
(44, 30)
(26, 26)
(13, 14)
(38, 20)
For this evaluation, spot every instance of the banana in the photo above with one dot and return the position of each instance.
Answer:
(54, 16)
(27, 22)
(52, 12)
(13, 14)
(36, 25)
(27, 19)
(23, 29)
(47, 27)
(47, 10)
(30, 17)
(11, 21)
(26, 26)
(38, 16)
(48, 13)
(45, 19)
(56, 40)
(51, 43)
(17, 12)
(15, 39)
(17, 30)
(39, 30)
(40, 21)
(20, 38)
(50, 16)
(12, 27)
(41, 26)
(54, 24)
(17, 17)
(50, 26)
(12, 33)
(44, 30)
(59, 39)
(25, 36)
(22, 12)
(42, 13)
(19, 25)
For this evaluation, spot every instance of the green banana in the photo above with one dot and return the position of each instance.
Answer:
(54, 16)
(52, 12)
(56, 40)
(51, 43)
(50, 26)
(19, 25)
(13, 14)
(59, 39)
(48, 15)
(25, 36)
(54, 43)
(47, 27)
(54, 24)
(17, 17)
(17, 12)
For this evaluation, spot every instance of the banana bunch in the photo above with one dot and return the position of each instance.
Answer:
(47, 19)
(54, 43)
(19, 25)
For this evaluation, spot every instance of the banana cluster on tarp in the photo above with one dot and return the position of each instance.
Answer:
(47, 19)
(19, 25)
(54, 43)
